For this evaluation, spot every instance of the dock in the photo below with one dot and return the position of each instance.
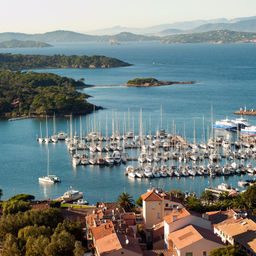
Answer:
(251, 112)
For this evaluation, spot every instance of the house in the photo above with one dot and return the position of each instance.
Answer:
(157, 204)
(193, 241)
(238, 231)
(179, 218)
(107, 241)
(117, 244)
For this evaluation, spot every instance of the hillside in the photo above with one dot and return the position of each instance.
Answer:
(24, 94)
(14, 43)
(241, 26)
(21, 62)
(61, 36)
(220, 36)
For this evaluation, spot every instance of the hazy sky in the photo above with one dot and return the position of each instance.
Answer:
(31, 16)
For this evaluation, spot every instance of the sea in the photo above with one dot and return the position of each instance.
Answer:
(225, 78)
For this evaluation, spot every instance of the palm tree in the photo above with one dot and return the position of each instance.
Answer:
(1, 193)
(126, 201)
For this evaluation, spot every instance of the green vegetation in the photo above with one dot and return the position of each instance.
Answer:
(31, 93)
(219, 36)
(140, 81)
(139, 201)
(126, 202)
(39, 233)
(20, 62)
(23, 197)
(206, 202)
(23, 44)
(229, 250)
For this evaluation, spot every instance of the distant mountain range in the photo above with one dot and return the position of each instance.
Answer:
(218, 37)
(154, 33)
(182, 27)
(61, 36)
(14, 43)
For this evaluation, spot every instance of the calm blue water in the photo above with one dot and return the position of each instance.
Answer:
(226, 79)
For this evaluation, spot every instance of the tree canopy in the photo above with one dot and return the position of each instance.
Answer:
(229, 250)
(20, 62)
(31, 93)
(126, 201)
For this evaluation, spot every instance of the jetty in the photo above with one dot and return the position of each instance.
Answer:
(246, 112)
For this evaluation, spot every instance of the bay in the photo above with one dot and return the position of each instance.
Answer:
(225, 78)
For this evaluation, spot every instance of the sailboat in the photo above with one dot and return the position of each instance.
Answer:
(50, 179)
(40, 139)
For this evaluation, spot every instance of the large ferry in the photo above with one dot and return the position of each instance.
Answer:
(250, 130)
(241, 123)
(225, 124)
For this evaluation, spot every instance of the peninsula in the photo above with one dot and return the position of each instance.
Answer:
(32, 94)
(23, 44)
(152, 82)
(16, 62)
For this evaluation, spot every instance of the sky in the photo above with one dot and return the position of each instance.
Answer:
(39, 16)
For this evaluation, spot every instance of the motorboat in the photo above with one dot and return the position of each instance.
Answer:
(250, 130)
(72, 195)
(225, 124)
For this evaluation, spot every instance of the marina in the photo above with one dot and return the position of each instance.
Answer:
(182, 105)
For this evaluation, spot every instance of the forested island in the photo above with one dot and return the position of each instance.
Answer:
(23, 44)
(20, 62)
(217, 37)
(38, 94)
(149, 82)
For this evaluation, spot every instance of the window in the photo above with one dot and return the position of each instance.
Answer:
(158, 215)
(204, 253)
(153, 205)
(189, 254)
(166, 205)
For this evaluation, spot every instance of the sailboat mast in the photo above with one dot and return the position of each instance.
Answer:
(46, 123)
(48, 161)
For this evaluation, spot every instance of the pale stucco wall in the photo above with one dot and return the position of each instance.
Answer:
(152, 216)
(199, 247)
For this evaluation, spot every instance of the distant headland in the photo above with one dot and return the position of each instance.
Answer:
(16, 62)
(23, 44)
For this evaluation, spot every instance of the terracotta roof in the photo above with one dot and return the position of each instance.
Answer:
(176, 214)
(91, 218)
(242, 230)
(129, 216)
(151, 196)
(157, 252)
(102, 230)
(191, 234)
(108, 244)
(132, 244)
(219, 216)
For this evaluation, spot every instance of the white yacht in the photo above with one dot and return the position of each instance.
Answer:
(49, 179)
(251, 130)
(62, 136)
(225, 124)
(72, 195)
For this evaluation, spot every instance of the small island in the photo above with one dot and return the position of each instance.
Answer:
(152, 82)
(23, 44)
(16, 62)
(31, 94)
